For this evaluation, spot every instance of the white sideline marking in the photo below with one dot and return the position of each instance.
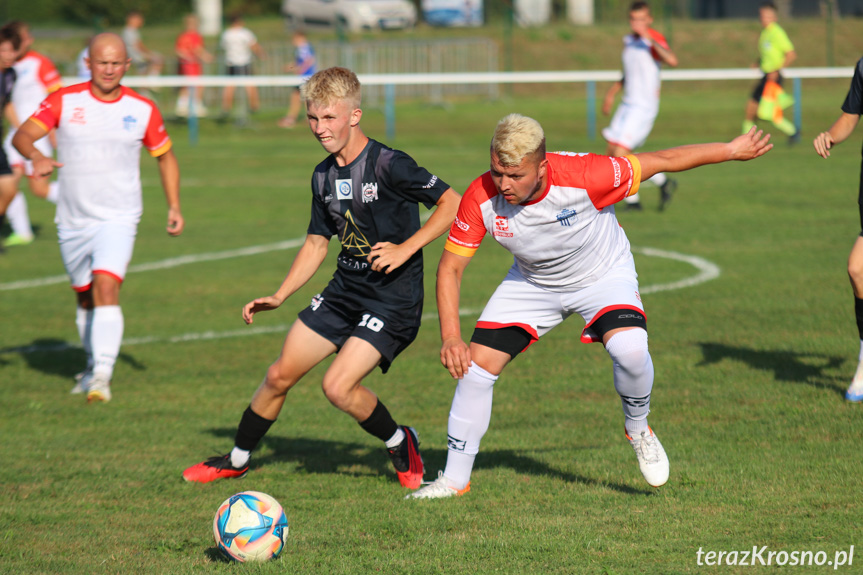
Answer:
(706, 272)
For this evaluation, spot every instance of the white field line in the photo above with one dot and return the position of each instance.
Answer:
(706, 272)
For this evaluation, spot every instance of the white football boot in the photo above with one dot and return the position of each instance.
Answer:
(855, 390)
(99, 389)
(437, 489)
(651, 457)
(82, 382)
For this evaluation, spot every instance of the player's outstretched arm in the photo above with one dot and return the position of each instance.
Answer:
(838, 133)
(454, 353)
(742, 148)
(169, 171)
(308, 260)
(386, 256)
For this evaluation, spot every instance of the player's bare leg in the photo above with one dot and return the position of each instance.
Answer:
(855, 274)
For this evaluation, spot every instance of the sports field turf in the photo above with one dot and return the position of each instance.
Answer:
(751, 369)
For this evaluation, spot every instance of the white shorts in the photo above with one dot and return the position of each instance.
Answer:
(104, 248)
(629, 127)
(17, 160)
(518, 303)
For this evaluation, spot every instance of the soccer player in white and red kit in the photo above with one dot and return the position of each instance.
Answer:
(100, 128)
(644, 51)
(36, 78)
(555, 213)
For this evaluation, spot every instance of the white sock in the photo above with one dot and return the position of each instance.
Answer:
(396, 439)
(107, 335)
(19, 219)
(633, 376)
(633, 199)
(658, 179)
(84, 321)
(240, 457)
(53, 192)
(469, 418)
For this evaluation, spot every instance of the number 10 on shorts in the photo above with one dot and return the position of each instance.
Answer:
(372, 323)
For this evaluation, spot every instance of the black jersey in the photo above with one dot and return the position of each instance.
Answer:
(374, 199)
(7, 80)
(854, 105)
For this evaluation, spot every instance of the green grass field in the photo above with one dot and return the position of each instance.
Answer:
(751, 369)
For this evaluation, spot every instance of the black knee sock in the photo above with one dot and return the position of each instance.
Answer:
(858, 311)
(380, 423)
(252, 429)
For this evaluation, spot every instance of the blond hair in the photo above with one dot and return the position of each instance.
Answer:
(516, 137)
(331, 85)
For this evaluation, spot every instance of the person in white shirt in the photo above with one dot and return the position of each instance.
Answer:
(101, 126)
(240, 46)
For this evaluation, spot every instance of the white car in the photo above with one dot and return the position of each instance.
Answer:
(351, 15)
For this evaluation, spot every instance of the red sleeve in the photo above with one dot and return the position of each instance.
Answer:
(49, 111)
(48, 74)
(156, 138)
(606, 179)
(659, 39)
(468, 229)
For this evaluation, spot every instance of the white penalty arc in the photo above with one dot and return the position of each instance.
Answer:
(706, 271)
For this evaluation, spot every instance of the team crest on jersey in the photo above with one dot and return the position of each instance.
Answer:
(501, 227)
(370, 192)
(344, 189)
(78, 116)
(567, 217)
(129, 123)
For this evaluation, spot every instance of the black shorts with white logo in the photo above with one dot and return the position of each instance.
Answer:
(336, 317)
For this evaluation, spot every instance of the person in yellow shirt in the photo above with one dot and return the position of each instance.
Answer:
(775, 52)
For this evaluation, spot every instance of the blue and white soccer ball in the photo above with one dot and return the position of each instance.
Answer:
(250, 526)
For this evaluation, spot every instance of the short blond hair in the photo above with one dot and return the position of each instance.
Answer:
(516, 137)
(331, 85)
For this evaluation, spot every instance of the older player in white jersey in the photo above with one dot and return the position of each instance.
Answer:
(100, 128)
(555, 213)
(36, 78)
(644, 50)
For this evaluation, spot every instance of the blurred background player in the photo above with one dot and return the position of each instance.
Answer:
(36, 77)
(303, 66)
(10, 43)
(240, 45)
(555, 213)
(644, 51)
(852, 108)
(145, 62)
(191, 57)
(101, 127)
(367, 195)
(775, 52)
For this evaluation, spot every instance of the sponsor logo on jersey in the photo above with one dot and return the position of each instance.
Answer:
(77, 116)
(316, 302)
(344, 189)
(129, 123)
(461, 225)
(370, 192)
(567, 216)
(616, 166)
(501, 227)
(455, 444)
(431, 183)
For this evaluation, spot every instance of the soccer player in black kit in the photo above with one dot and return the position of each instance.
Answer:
(10, 42)
(852, 108)
(368, 196)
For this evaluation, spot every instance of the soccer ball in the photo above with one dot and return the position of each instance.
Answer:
(250, 526)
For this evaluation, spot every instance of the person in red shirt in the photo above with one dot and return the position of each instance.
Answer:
(191, 55)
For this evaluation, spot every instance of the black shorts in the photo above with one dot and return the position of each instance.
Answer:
(336, 317)
(5, 168)
(759, 87)
(245, 70)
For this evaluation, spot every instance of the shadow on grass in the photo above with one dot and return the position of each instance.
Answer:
(787, 366)
(314, 455)
(54, 356)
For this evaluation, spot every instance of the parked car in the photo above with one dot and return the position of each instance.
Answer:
(351, 15)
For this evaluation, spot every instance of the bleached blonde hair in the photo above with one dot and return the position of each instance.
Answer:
(516, 137)
(331, 85)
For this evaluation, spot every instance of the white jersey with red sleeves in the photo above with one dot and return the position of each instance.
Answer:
(99, 144)
(641, 65)
(566, 239)
(37, 77)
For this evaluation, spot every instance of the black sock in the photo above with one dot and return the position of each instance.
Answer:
(858, 311)
(380, 423)
(252, 429)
